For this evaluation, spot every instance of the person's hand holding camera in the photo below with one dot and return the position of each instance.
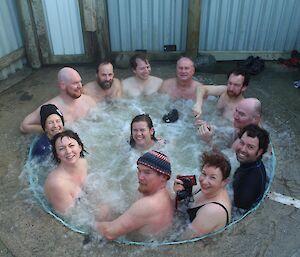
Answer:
(178, 184)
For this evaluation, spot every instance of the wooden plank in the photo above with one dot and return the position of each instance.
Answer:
(28, 30)
(193, 28)
(12, 57)
(41, 30)
(104, 49)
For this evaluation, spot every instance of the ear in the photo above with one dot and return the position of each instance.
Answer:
(225, 182)
(193, 70)
(243, 89)
(164, 178)
(152, 131)
(259, 152)
(62, 85)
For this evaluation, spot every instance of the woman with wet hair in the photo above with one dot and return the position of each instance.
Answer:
(142, 133)
(64, 184)
(209, 208)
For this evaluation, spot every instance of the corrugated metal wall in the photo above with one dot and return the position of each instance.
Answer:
(144, 24)
(10, 36)
(64, 26)
(251, 25)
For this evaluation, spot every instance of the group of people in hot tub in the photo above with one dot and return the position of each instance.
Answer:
(208, 207)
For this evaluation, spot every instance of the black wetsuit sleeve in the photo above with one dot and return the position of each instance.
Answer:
(247, 188)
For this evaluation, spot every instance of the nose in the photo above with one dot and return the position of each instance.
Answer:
(68, 149)
(140, 175)
(204, 180)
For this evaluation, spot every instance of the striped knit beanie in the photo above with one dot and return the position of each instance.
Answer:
(157, 161)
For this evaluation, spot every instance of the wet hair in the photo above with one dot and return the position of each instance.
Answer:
(105, 62)
(216, 159)
(147, 119)
(133, 58)
(61, 135)
(242, 72)
(256, 131)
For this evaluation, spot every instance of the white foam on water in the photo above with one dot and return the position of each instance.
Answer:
(112, 163)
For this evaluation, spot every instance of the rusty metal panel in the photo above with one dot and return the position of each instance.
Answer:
(144, 24)
(10, 35)
(250, 25)
(64, 26)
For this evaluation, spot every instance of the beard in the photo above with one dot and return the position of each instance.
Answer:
(106, 84)
(232, 94)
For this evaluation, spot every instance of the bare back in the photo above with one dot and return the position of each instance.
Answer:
(149, 216)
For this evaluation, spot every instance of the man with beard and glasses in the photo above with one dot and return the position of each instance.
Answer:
(142, 83)
(152, 213)
(70, 101)
(230, 95)
(106, 86)
(249, 180)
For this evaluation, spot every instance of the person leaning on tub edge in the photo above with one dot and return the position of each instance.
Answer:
(52, 122)
(70, 101)
(152, 214)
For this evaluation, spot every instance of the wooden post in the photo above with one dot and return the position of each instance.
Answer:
(104, 49)
(29, 33)
(193, 28)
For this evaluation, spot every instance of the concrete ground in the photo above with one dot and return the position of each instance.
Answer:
(272, 230)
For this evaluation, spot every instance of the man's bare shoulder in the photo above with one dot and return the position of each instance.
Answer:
(117, 81)
(145, 206)
(167, 84)
(87, 99)
(128, 80)
(156, 79)
(117, 84)
(126, 83)
(90, 87)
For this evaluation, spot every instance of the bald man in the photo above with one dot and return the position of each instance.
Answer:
(70, 101)
(248, 111)
(106, 86)
(183, 86)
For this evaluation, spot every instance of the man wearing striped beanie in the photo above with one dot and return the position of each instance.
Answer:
(152, 213)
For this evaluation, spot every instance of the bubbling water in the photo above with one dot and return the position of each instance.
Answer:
(112, 176)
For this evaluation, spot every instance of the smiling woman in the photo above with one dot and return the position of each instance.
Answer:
(142, 132)
(112, 164)
(63, 185)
